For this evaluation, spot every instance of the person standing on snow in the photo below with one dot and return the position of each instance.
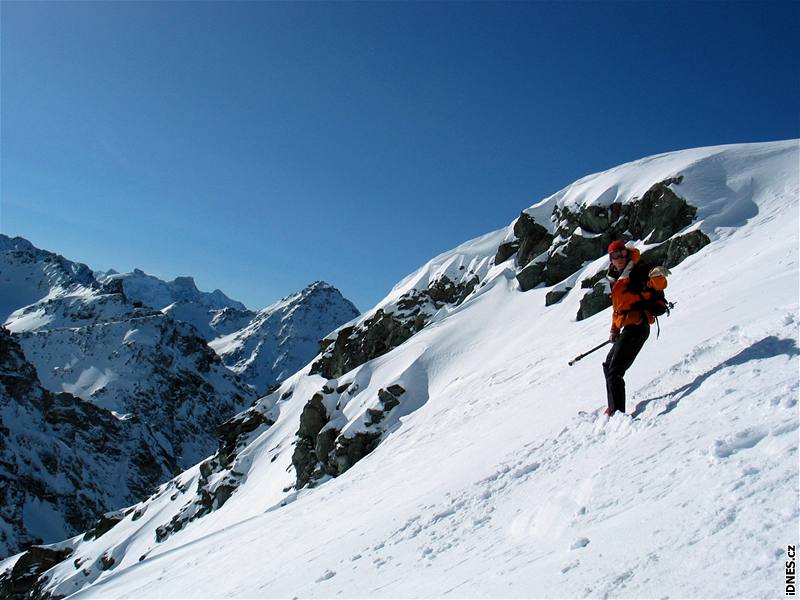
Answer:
(633, 284)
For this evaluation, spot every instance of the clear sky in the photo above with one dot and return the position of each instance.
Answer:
(259, 146)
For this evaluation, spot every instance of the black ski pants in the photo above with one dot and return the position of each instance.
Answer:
(624, 351)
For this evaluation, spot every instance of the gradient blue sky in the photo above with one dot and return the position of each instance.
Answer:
(259, 146)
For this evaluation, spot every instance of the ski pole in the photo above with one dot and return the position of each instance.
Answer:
(585, 354)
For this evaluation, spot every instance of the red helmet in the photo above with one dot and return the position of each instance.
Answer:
(616, 245)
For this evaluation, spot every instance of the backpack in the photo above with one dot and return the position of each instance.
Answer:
(657, 304)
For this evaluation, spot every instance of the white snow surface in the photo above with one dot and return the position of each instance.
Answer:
(490, 483)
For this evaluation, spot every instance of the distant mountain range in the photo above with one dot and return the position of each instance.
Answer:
(128, 356)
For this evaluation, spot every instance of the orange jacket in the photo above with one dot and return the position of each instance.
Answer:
(633, 285)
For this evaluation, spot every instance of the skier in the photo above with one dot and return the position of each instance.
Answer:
(633, 287)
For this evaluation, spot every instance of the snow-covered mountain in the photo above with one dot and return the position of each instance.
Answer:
(178, 298)
(435, 447)
(28, 275)
(262, 347)
(65, 461)
(106, 342)
(157, 293)
(281, 338)
(153, 375)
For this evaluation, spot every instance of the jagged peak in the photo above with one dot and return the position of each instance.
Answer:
(185, 281)
(319, 286)
(9, 244)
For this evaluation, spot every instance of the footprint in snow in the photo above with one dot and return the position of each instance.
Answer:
(579, 543)
(568, 567)
(325, 576)
(747, 438)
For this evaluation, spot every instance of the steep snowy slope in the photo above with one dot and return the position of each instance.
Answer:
(64, 461)
(28, 274)
(464, 467)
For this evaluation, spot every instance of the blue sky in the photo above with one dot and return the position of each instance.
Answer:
(259, 146)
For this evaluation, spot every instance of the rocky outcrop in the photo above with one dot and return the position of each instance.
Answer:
(305, 458)
(660, 213)
(219, 477)
(321, 449)
(555, 296)
(210, 494)
(531, 240)
(23, 580)
(676, 250)
(595, 301)
(583, 235)
(386, 329)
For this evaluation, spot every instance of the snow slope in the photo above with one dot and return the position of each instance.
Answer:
(488, 482)
(28, 275)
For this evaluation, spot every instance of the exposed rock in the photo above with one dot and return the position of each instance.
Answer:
(533, 239)
(230, 432)
(326, 441)
(568, 258)
(107, 562)
(388, 398)
(396, 390)
(385, 330)
(104, 524)
(20, 581)
(349, 450)
(209, 496)
(531, 276)
(660, 213)
(590, 282)
(219, 478)
(595, 301)
(506, 251)
(676, 250)
(321, 449)
(583, 235)
(555, 296)
(305, 458)
(596, 219)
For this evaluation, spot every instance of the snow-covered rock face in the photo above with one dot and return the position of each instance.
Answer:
(178, 298)
(145, 386)
(28, 274)
(64, 461)
(474, 458)
(262, 347)
(283, 337)
(151, 291)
